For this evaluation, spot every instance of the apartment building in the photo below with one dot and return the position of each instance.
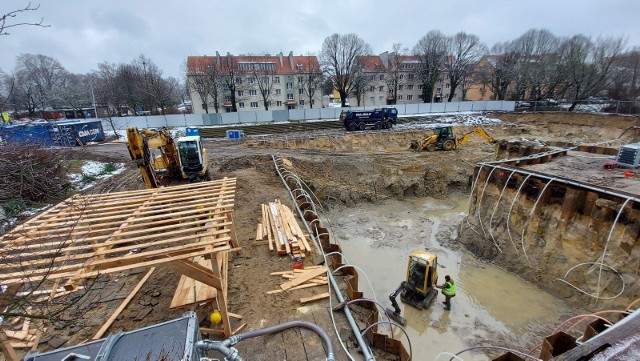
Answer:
(384, 72)
(251, 81)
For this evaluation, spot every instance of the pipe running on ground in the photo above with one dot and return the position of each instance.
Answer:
(606, 245)
(352, 323)
(587, 293)
(513, 202)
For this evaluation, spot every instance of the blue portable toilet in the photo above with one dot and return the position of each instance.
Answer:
(192, 131)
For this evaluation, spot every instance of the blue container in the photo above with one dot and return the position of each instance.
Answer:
(235, 134)
(192, 131)
(58, 134)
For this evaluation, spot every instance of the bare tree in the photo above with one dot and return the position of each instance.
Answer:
(496, 71)
(431, 51)
(74, 92)
(204, 77)
(260, 71)
(339, 58)
(6, 89)
(231, 79)
(311, 78)
(361, 82)
(465, 52)
(626, 84)
(589, 64)
(394, 77)
(127, 80)
(7, 23)
(47, 75)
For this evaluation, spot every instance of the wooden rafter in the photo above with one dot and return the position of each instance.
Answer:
(94, 234)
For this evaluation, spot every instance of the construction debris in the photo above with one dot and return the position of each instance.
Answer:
(301, 278)
(281, 230)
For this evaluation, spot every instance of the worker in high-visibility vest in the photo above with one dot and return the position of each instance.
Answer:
(448, 290)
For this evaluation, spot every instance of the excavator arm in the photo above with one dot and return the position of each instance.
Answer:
(478, 130)
(139, 151)
(395, 313)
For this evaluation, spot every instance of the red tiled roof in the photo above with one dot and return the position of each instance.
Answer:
(198, 63)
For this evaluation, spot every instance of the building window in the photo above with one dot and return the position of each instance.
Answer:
(238, 81)
(300, 79)
(438, 90)
(240, 93)
(253, 92)
(373, 100)
(446, 86)
(420, 86)
(251, 80)
(300, 91)
(400, 97)
(241, 105)
(372, 88)
(372, 77)
(410, 87)
(289, 96)
(225, 86)
(278, 103)
(381, 88)
(227, 98)
(381, 98)
(278, 91)
(381, 76)
(401, 76)
(409, 97)
(301, 102)
(289, 85)
(254, 104)
(410, 76)
(299, 67)
(400, 87)
(276, 79)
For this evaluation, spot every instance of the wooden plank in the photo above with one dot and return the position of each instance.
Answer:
(184, 294)
(306, 285)
(321, 296)
(123, 305)
(304, 278)
(259, 232)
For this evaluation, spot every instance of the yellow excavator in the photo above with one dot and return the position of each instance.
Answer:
(182, 159)
(417, 290)
(444, 138)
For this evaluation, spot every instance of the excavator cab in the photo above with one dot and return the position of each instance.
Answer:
(417, 290)
(193, 157)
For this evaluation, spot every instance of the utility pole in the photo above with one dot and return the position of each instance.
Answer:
(95, 110)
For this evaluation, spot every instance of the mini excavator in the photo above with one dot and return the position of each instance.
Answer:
(417, 290)
(444, 138)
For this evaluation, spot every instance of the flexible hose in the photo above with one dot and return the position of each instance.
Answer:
(283, 326)
(499, 348)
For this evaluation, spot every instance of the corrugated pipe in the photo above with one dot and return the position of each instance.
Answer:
(347, 312)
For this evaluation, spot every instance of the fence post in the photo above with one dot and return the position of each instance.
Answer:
(617, 107)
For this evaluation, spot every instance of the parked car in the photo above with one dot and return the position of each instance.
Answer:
(549, 102)
(523, 105)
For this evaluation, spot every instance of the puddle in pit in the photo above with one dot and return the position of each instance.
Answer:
(492, 305)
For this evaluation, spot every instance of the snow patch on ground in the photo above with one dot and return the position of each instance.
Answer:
(432, 120)
(92, 171)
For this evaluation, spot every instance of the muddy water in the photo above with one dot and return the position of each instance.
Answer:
(492, 305)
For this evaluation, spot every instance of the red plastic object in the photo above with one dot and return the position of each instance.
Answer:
(628, 174)
(298, 265)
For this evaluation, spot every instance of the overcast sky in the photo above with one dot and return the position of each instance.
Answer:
(84, 33)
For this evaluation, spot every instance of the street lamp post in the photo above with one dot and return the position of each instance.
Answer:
(95, 110)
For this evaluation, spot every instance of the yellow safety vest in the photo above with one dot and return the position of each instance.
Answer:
(449, 291)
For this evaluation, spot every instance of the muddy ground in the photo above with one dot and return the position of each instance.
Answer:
(374, 186)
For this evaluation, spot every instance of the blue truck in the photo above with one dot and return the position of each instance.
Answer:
(382, 118)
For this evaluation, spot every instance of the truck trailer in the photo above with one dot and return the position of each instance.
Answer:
(382, 118)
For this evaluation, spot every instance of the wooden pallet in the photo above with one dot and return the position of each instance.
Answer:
(279, 227)
(105, 233)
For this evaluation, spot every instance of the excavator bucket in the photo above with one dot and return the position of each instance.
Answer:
(396, 317)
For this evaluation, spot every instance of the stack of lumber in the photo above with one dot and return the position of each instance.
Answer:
(296, 279)
(280, 228)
